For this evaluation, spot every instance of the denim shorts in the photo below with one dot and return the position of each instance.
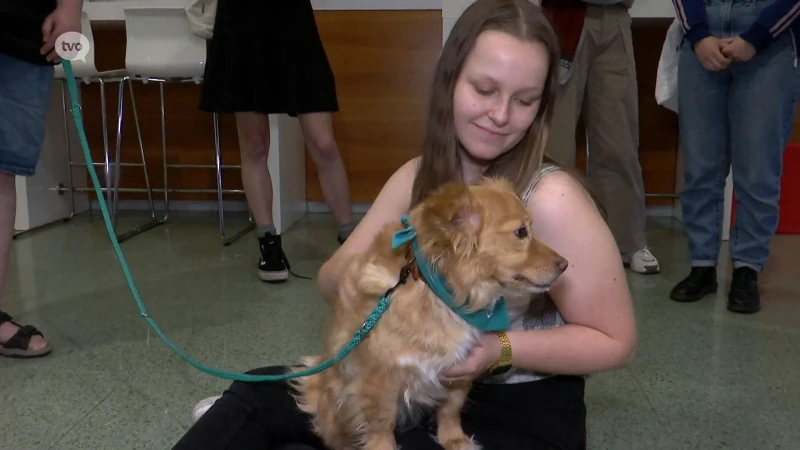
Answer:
(24, 96)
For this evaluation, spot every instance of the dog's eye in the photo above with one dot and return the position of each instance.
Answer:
(521, 233)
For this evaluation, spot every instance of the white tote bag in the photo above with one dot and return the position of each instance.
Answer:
(667, 75)
(201, 14)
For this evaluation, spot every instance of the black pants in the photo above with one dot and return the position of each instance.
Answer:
(547, 414)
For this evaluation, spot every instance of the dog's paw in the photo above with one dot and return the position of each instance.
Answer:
(460, 443)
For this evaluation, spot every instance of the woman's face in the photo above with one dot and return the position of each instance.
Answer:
(498, 94)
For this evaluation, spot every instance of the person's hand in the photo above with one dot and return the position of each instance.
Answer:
(737, 49)
(60, 21)
(709, 52)
(480, 358)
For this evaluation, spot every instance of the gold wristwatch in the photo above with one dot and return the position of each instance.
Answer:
(504, 363)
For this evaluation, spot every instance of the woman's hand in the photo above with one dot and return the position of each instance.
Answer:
(709, 52)
(738, 49)
(482, 356)
(66, 17)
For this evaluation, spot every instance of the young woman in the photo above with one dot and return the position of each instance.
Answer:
(266, 57)
(738, 77)
(492, 97)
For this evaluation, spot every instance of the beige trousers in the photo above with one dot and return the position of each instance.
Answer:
(603, 88)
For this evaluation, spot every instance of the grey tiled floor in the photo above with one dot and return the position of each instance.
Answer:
(703, 378)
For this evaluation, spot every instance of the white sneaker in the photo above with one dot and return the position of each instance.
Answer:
(643, 261)
(202, 406)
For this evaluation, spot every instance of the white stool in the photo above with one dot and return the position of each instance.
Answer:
(162, 48)
(87, 72)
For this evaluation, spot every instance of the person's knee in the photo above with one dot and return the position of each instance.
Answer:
(254, 146)
(323, 148)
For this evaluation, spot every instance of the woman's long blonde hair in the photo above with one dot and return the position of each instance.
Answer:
(440, 161)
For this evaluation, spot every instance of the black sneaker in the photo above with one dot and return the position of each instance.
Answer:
(744, 297)
(700, 282)
(273, 265)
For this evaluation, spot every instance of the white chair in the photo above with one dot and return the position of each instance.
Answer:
(87, 72)
(162, 48)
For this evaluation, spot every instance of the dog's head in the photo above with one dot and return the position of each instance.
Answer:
(479, 238)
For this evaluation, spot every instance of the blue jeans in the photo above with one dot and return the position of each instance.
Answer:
(739, 118)
(24, 96)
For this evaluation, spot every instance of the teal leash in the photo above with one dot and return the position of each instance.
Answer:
(358, 337)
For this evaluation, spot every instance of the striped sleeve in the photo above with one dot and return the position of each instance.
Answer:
(773, 20)
(692, 16)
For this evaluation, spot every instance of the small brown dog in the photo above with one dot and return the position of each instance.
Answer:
(479, 239)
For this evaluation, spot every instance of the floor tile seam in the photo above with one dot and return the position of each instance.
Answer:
(84, 417)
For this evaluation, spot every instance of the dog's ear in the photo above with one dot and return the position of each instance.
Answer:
(452, 214)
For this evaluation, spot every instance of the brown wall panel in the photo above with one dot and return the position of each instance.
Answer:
(384, 62)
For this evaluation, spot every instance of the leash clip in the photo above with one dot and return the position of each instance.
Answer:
(404, 273)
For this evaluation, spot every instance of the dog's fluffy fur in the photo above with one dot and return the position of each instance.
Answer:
(479, 238)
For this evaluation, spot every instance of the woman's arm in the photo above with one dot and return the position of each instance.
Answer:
(771, 22)
(592, 294)
(392, 202)
(692, 16)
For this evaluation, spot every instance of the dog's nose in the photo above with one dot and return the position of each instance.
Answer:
(563, 264)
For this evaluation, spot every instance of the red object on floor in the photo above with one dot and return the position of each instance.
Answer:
(789, 222)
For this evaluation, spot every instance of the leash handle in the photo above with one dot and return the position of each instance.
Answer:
(369, 324)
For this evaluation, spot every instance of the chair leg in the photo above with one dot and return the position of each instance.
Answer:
(118, 154)
(164, 150)
(248, 228)
(122, 237)
(110, 202)
(141, 153)
(220, 203)
(68, 143)
(218, 154)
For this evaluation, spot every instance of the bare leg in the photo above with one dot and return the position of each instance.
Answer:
(253, 130)
(319, 137)
(8, 212)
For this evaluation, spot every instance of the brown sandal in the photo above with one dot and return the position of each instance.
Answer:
(17, 346)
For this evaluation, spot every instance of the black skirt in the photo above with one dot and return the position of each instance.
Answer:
(267, 56)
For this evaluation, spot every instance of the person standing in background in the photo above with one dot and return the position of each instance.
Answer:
(738, 79)
(28, 33)
(598, 81)
(266, 57)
